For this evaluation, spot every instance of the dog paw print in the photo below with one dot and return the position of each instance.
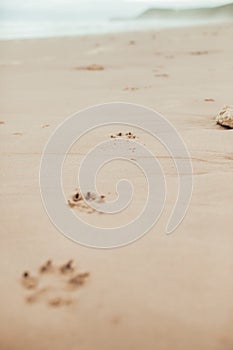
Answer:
(77, 201)
(54, 285)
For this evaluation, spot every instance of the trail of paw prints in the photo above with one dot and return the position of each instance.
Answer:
(54, 285)
(78, 200)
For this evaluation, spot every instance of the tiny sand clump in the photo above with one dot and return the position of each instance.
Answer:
(92, 67)
(132, 42)
(225, 117)
(128, 135)
(131, 88)
(199, 53)
(209, 100)
(18, 133)
(162, 75)
(134, 88)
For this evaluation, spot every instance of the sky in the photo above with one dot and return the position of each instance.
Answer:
(90, 8)
(96, 3)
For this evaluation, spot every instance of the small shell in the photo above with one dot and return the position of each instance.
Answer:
(225, 117)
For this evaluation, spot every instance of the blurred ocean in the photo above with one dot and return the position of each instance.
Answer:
(20, 19)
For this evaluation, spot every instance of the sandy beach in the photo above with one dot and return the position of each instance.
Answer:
(162, 292)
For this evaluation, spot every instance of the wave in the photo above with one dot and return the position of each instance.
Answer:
(210, 12)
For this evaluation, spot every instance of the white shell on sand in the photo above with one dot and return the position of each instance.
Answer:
(225, 117)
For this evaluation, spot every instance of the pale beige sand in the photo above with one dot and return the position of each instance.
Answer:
(163, 293)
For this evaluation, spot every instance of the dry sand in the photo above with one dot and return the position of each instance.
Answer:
(162, 292)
